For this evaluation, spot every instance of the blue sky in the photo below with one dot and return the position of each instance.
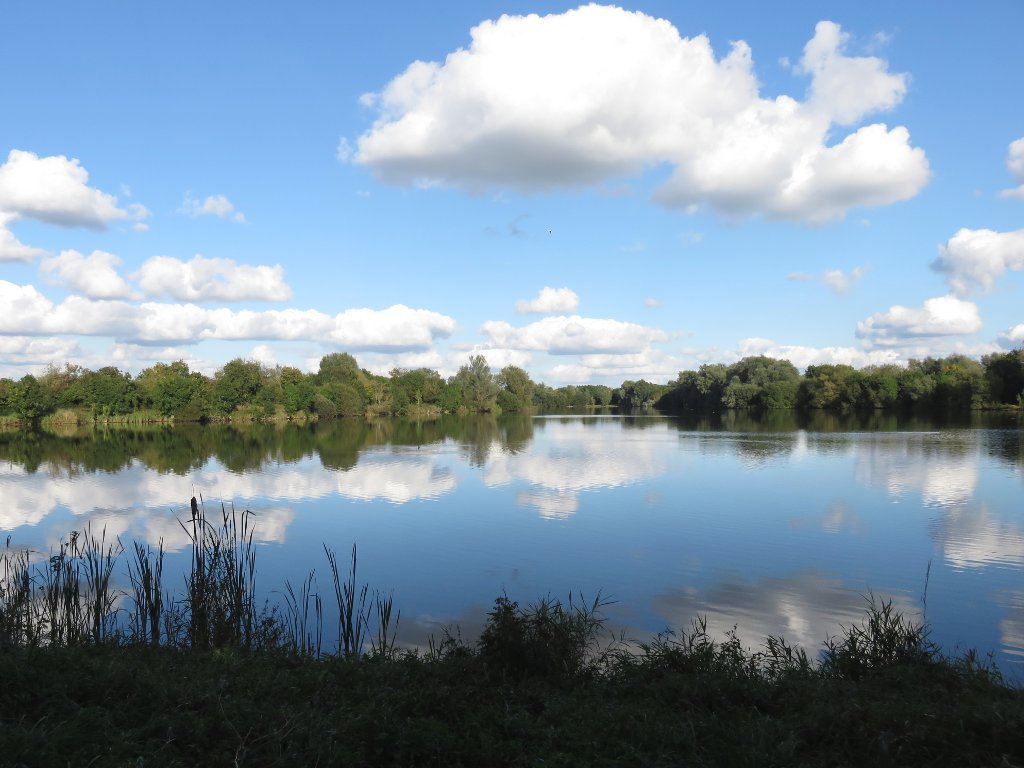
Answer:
(595, 193)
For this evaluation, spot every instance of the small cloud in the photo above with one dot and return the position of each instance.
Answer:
(651, 303)
(637, 246)
(550, 301)
(691, 238)
(836, 279)
(140, 227)
(214, 205)
(878, 42)
(1015, 164)
(344, 150)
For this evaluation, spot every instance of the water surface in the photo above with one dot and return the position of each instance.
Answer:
(774, 526)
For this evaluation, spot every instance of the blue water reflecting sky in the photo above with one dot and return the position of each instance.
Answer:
(774, 532)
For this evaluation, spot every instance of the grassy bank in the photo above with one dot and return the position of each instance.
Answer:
(95, 677)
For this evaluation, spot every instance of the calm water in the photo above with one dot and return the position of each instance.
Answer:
(773, 526)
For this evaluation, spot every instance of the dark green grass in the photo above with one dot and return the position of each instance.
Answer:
(533, 691)
(208, 680)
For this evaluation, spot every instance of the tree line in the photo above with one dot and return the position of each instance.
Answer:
(953, 383)
(248, 390)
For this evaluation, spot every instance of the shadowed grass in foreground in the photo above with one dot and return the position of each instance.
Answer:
(543, 685)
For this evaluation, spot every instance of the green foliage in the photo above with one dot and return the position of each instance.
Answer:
(338, 366)
(236, 383)
(635, 395)
(884, 639)
(416, 387)
(545, 640)
(515, 389)
(478, 385)
(173, 390)
(110, 392)
(1004, 374)
(28, 400)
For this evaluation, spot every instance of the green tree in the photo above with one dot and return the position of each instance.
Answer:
(831, 387)
(237, 383)
(479, 389)
(638, 394)
(297, 390)
(171, 389)
(1004, 374)
(515, 389)
(29, 399)
(761, 382)
(110, 392)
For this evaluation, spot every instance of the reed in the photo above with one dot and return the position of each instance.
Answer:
(18, 626)
(305, 634)
(221, 584)
(353, 612)
(147, 584)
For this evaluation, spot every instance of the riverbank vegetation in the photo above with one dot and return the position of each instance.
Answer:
(145, 676)
(245, 390)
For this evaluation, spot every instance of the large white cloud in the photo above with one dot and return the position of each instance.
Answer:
(571, 335)
(396, 328)
(940, 316)
(94, 275)
(550, 300)
(12, 249)
(598, 92)
(56, 190)
(974, 258)
(1015, 162)
(202, 279)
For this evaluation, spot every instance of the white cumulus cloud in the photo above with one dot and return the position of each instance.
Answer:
(94, 275)
(803, 356)
(974, 258)
(202, 279)
(54, 190)
(940, 316)
(12, 249)
(574, 99)
(550, 300)
(1014, 336)
(214, 205)
(1015, 163)
(24, 354)
(572, 334)
(397, 328)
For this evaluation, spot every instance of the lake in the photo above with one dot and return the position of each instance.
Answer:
(776, 525)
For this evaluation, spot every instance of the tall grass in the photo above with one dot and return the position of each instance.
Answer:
(220, 588)
(65, 600)
(70, 597)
